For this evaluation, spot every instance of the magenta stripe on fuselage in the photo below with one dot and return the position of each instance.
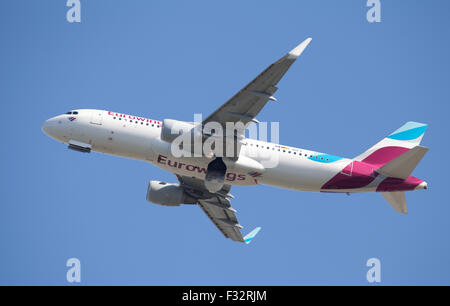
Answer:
(360, 174)
(355, 175)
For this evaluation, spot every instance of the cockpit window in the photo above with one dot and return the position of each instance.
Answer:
(72, 113)
(69, 113)
(75, 113)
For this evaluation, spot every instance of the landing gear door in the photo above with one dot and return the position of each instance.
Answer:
(97, 117)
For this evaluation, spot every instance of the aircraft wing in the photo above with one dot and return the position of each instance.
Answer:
(248, 102)
(218, 208)
(220, 212)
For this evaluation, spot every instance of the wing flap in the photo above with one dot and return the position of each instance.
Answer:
(217, 207)
(223, 218)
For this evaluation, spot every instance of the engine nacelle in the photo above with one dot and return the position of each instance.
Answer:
(244, 164)
(171, 129)
(168, 194)
(215, 175)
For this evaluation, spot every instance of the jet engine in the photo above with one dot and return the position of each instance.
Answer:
(168, 194)
(244, 164)
(215, 175)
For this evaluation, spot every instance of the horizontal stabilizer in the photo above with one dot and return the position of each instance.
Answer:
(249, 237)
(397, 200)
(402, 166)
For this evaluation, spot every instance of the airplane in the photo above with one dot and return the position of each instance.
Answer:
(206, 179)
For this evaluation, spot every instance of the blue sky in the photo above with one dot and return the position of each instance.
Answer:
(356, 83)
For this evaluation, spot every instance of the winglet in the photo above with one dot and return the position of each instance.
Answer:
(299, 49)
(249, 237)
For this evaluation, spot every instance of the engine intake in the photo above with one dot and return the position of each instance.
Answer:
(215, 175)
(168, 194)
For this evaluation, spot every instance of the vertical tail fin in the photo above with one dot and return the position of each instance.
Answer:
(403, 139)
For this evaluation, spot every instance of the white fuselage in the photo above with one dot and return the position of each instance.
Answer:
(139, 138)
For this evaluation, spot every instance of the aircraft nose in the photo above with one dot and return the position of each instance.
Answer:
(45, 127)
(51, 127)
